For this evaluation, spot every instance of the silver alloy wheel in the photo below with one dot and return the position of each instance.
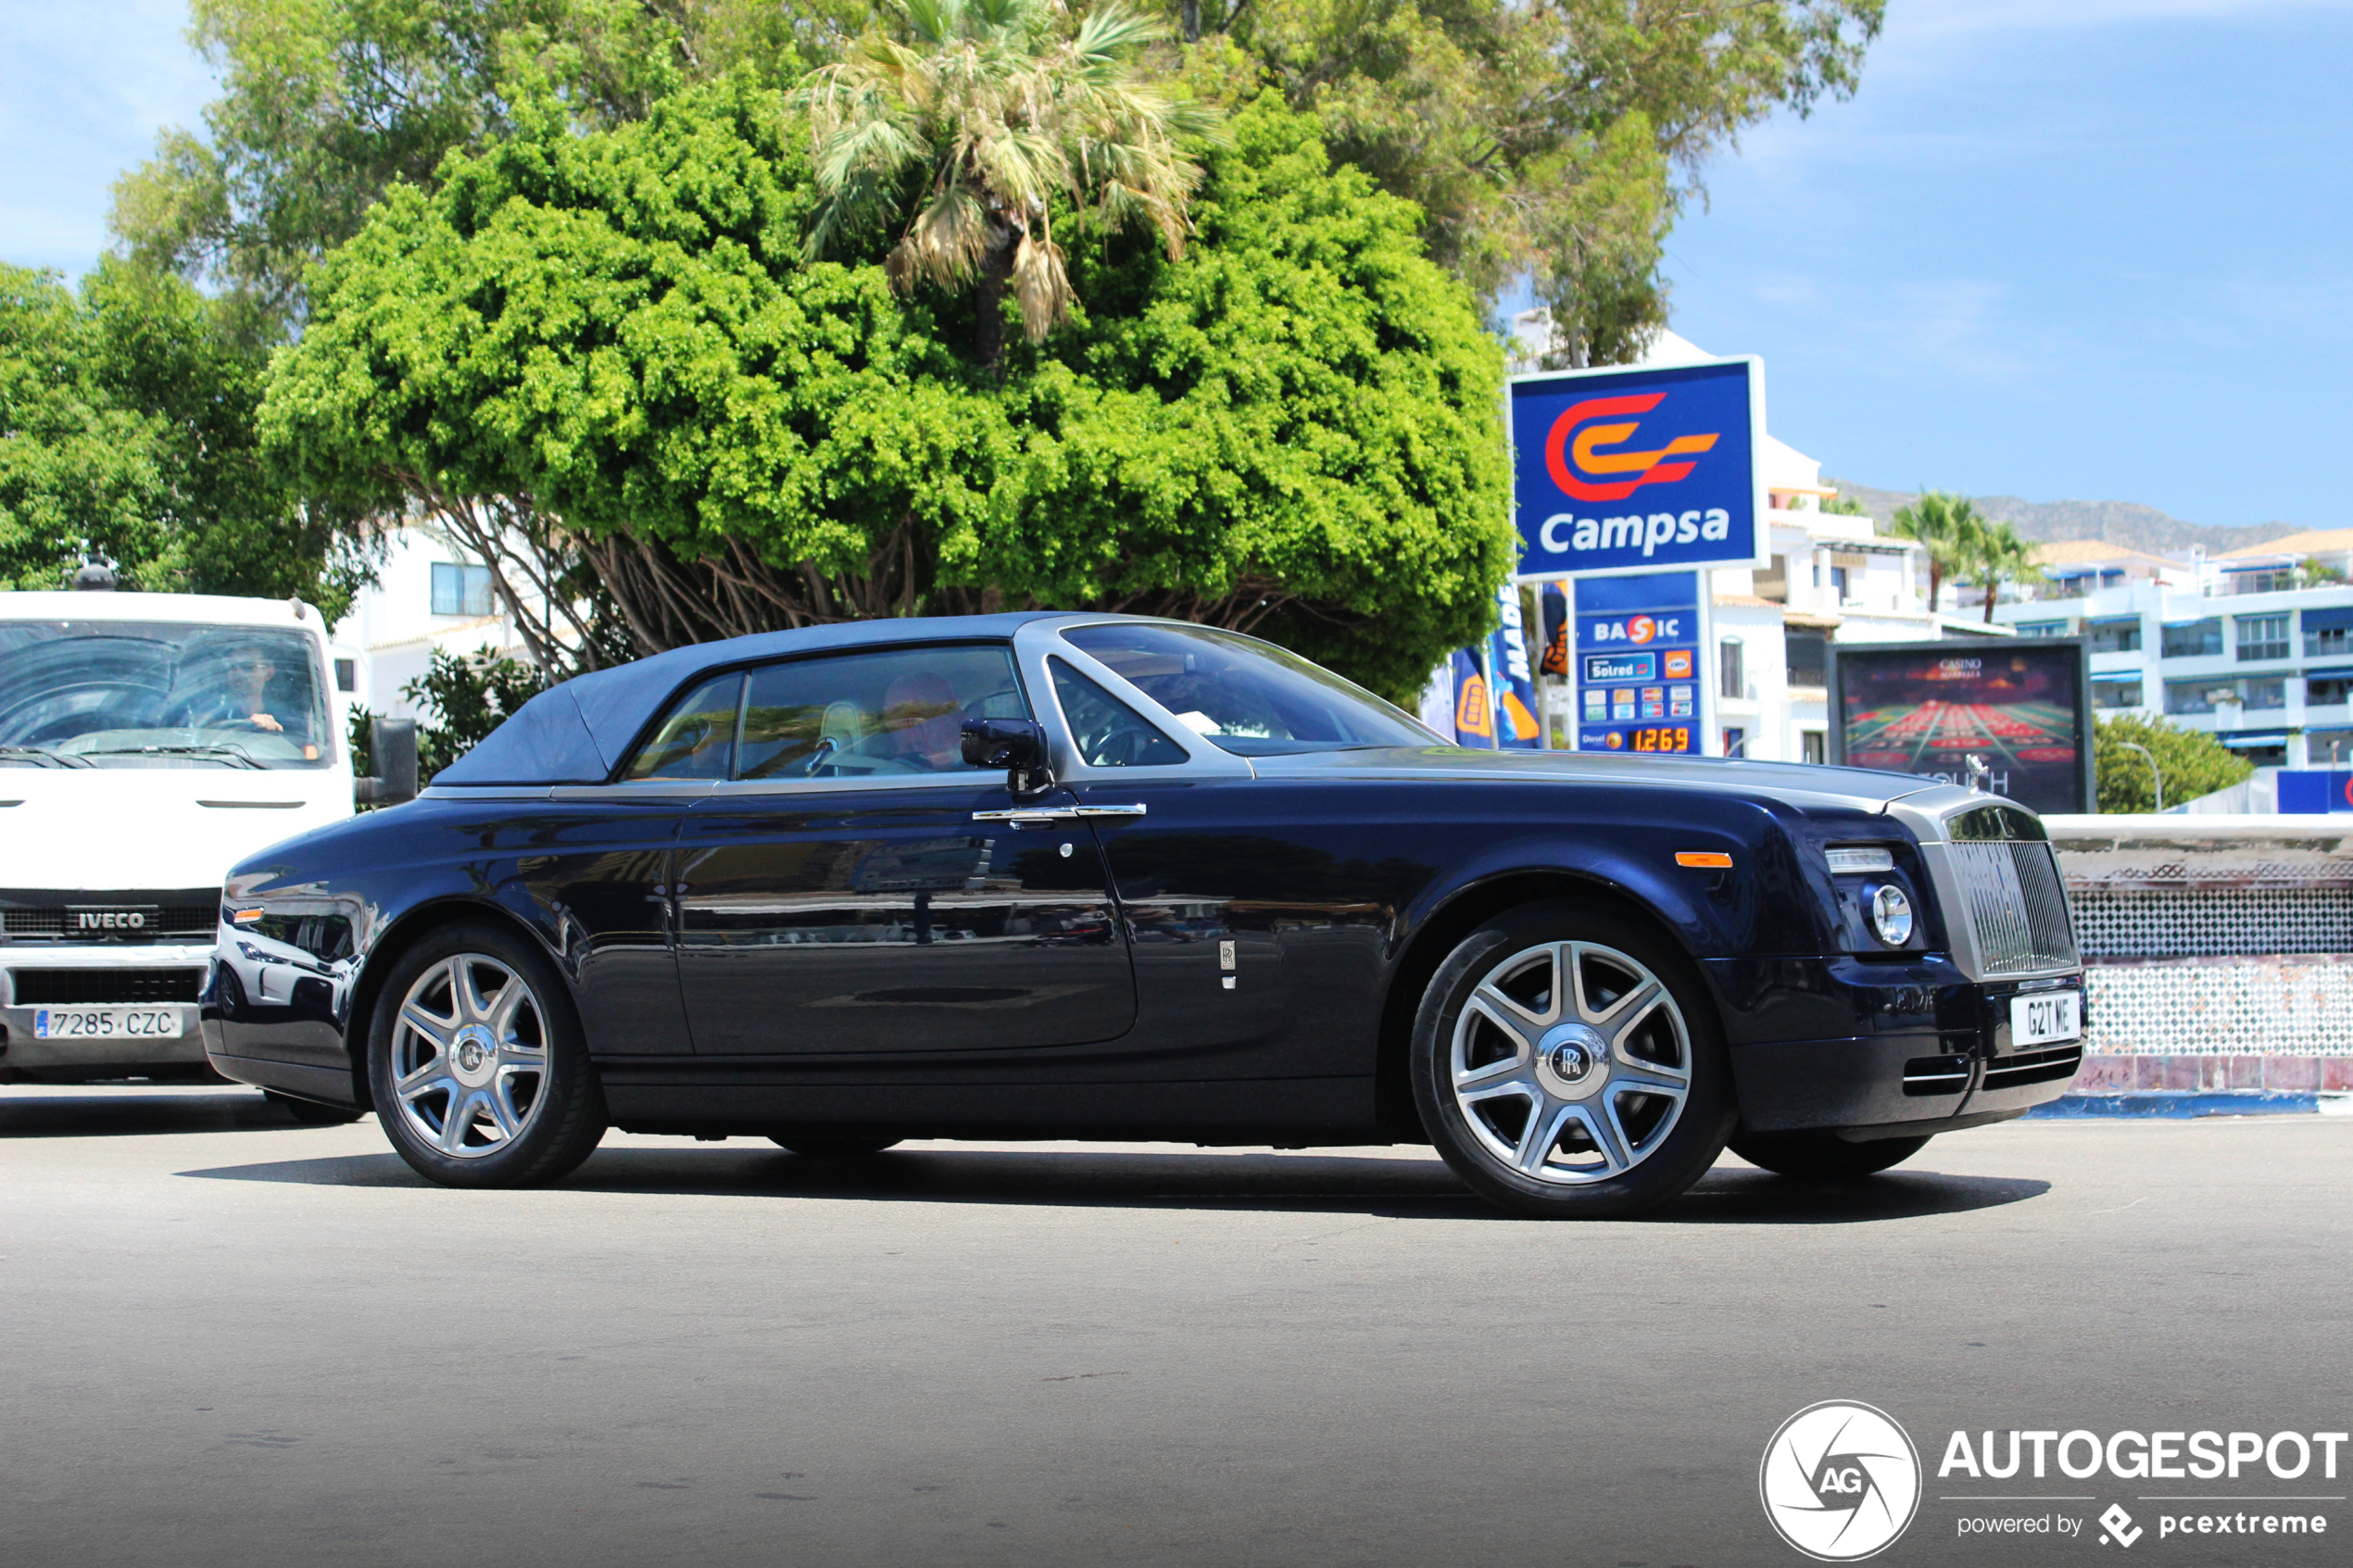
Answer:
(469, 1057)
(1570, 1062)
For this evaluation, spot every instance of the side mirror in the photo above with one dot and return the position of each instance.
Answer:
(394, 742)
(1018, 746)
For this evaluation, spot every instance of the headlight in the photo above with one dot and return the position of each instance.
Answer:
(1891, 915)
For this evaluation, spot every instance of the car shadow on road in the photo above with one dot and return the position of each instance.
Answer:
(138, 1111)
(1402, 1186)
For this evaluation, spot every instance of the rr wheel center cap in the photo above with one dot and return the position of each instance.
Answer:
(1573, 1060)
(475, 1055)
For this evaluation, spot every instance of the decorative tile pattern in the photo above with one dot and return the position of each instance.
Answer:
(2246, 1007)
(2211, 921)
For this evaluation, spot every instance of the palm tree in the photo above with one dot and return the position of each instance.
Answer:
(1997, 556)
(1003, 113)
(1948, 525)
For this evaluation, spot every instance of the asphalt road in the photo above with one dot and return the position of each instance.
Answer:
(235, 1341)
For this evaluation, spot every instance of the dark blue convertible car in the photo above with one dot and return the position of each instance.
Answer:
(1092, 876)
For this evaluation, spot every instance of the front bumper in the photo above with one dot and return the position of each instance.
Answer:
(1917, 1048)
(23, 1044)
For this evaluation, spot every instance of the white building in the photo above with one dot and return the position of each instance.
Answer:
(1831, 577)
(2254, 645)
(427, 594)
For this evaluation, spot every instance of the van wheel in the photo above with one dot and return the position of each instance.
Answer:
(1823, 1156)
(479, 1074)
(1568, 1067)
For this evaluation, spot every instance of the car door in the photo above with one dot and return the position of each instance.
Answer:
(856, 887)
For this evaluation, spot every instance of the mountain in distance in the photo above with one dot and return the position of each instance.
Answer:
(2118, 523)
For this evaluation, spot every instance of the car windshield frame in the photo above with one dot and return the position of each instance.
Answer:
(1223, 685)
(162, 694)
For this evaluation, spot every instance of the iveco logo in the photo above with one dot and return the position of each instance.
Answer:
(94, 919)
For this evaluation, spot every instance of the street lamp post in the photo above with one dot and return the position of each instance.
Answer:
(2156, 780)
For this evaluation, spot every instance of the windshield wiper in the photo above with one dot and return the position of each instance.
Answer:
(243, 758)
(54, 759)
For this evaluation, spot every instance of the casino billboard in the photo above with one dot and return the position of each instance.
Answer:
(1641, 469)
(2020, 706)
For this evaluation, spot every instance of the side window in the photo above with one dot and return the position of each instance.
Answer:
(697, 739)
(1109, 732)
(894, 712)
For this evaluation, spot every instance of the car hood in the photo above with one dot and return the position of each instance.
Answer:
(1801, 784)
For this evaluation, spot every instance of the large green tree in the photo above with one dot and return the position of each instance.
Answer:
(614, 339)
(325, 103)
(1558, 142)
(127, 425)
(963, 138)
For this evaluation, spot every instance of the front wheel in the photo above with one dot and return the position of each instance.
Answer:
(1823, 1156)
(479, 1074)
(1570, 1066)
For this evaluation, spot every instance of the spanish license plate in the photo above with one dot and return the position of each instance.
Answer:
(2038, 1021)
(107, 1023)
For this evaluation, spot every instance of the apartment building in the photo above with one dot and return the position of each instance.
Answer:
(2254, 645)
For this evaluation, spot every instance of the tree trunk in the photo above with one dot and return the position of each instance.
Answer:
(1192, 21)
(1992, 586)
(1935, 584)
(995, 273)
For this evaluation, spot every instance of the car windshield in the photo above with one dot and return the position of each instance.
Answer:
(146, 694)
(1250, 697)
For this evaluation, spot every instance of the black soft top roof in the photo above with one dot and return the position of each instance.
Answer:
(577, 732)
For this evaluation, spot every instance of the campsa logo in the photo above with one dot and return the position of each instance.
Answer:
(1841, 1481)
(1573, 449)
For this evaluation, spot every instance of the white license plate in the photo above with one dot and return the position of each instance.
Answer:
(107, 1023)
(2037, 1021)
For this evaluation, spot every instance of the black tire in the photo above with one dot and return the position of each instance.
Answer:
(826, 1146)
(1823, 1156)
(529, 1105)
(1657, 1145)
(311, 1112)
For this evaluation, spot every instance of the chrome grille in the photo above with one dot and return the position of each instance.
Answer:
(2017, 908)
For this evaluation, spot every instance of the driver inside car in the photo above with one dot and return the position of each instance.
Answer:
(240, 693)
(925, 723)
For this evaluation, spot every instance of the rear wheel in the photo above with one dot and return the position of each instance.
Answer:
(479, 1074)
(822, 1145)
(1570, 1066)
(1823, 1156)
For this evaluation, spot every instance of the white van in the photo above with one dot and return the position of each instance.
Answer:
(147, 743)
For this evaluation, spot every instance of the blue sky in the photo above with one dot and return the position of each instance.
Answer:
(2098, 249)
(2090, 250)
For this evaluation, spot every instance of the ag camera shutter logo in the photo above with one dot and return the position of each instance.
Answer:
(1840, 1481)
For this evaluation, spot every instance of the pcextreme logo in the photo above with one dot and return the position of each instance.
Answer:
(1577, 465)
(1840, 1481)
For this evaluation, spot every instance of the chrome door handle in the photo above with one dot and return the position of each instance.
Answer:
(1039, 816)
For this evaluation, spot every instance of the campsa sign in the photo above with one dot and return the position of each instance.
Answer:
(1623, 471)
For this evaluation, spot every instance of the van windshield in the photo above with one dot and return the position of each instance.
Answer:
(149, 694)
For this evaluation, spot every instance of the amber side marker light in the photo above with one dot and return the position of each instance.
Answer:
(246, 917)
(1704, 859)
